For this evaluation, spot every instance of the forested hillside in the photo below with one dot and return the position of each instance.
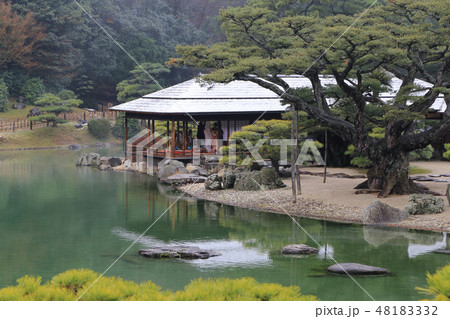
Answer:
(55, 43)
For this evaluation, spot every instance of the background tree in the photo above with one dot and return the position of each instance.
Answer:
(3, 96)
(20, 37)
(140, 83)
(411, 39)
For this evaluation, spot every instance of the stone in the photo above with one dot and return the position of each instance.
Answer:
(213, 183)
(19, 106)
(357, 269)
(183, 179)
(448, 193)
(82, 121)
(193, 169)
(228, 180)
(266, 179)
(170, 167)
(78, 126)
(35, 111)
(443, 251)
(222, 172)
(105, 167)
(381, 213)
(184, 252)
(420, 204)
(91, 159)
(111, 161)
(74, 147)
(295, 249)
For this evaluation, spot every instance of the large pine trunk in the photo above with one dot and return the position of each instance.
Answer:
(390, 174)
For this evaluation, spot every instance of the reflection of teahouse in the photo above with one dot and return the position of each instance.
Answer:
(187, 106)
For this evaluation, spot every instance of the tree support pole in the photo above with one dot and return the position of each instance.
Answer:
(297, 168)
(126, 135)
(326, 158)
(293, 150)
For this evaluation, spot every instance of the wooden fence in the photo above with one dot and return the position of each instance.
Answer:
(24, 124)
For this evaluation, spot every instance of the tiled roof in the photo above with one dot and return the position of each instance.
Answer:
(197, 97)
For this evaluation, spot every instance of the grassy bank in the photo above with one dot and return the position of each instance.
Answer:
(63, 135)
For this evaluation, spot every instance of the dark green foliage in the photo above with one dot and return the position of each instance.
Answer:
(141, 81)
(3, 96)
(99, 128)
(32, 89)
(118, 129)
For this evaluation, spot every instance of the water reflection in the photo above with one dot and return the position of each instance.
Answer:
(55, 216)
(418, 242)
(233, 253)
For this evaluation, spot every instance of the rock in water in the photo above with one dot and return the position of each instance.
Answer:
(212, 183)
(357, 269)
(295, 249)
(419, 204)
(170, 167)
(111, 161)
(185, 252)
(197, 170)
(380, 213)
(91, 159)
(443, 251)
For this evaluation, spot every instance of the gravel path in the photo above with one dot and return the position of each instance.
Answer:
(334, 201)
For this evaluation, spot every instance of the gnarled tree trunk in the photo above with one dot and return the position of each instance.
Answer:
(390, 175)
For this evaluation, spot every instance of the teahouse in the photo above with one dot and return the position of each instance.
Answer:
(232, 106)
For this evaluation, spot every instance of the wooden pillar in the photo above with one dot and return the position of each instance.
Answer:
(126, 134)
(168, 137)
(173, 139)
(228, 133)
(184, 137)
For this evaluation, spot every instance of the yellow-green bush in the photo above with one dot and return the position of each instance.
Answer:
(78, 284)
(225, 289)
(438, 284)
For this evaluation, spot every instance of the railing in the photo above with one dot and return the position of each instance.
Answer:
(24, 124)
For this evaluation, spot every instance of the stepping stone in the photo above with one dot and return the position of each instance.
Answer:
(357, 269)
(295, 249)
(442, 251)
(184, 252)
(435, 175)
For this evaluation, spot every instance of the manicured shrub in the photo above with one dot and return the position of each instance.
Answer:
(438, 284)
(74, 280)
(99, 128)
(32, 89)
(357, 159)
(424, 154)
(225, 289)
(77, 284)
(3, 96)
(447, 152)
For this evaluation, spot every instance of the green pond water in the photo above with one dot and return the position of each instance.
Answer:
(55, 216)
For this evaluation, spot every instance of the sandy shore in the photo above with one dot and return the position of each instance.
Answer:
(336, 200)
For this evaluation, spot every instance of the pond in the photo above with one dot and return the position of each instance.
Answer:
(55, 216)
